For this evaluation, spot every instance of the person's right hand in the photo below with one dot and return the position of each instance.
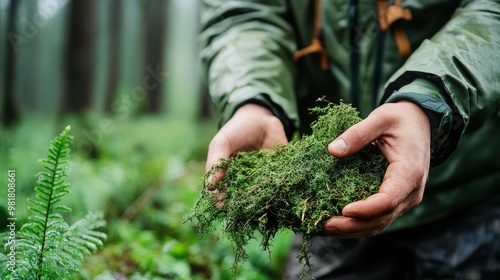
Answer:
(252, 127)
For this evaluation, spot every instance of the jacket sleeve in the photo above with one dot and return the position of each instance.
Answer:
(247, 50)
(455, 75)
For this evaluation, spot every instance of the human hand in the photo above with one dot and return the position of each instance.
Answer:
(402, 131)
(252, 127)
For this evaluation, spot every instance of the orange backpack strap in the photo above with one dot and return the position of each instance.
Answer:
(316, 45)
(388, 15)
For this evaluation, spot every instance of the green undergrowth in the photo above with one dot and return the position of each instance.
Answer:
(47, 247)
(294, 187)
(144, 178)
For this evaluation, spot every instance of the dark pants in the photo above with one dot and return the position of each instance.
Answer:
(465, 246)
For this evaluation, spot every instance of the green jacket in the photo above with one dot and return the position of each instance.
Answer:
(453, 73)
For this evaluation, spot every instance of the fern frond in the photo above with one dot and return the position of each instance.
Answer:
(86, 238)
(47, 247)
(50, 187)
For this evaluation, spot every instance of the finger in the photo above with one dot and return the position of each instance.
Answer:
(374, 206)
(358, 136)
(395, 197)
(220, 147)
(218, 197)
(214, 178)
(392, 192)
(347, 227)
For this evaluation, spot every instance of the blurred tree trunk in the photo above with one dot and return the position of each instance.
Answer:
(114, 53)
(10, 111)
(155, 15)
(28, 66)
(77, 95)
(205, 105)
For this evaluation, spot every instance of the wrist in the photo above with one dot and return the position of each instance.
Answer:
(251, 108)
(428, 97)
(264, 101)
(413, 109)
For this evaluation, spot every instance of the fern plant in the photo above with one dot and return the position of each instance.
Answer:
(47, 247)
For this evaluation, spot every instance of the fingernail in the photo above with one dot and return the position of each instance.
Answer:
(338, 146)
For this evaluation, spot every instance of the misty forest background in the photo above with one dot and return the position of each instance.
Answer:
(125, 75)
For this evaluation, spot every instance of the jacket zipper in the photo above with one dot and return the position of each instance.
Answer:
(377, 76)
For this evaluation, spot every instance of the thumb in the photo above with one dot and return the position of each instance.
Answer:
(219, 148)
(356, 137)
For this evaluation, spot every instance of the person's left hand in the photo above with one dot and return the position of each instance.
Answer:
(402, 131)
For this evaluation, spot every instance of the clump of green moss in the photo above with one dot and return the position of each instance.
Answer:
(291, 187)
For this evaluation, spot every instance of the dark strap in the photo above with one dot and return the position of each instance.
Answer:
(316, 45)
(388, 15)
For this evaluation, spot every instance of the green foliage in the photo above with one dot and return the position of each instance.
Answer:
(19, 149)
(158, 158)
(47, 247)
(156, 245)
(295, 187)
